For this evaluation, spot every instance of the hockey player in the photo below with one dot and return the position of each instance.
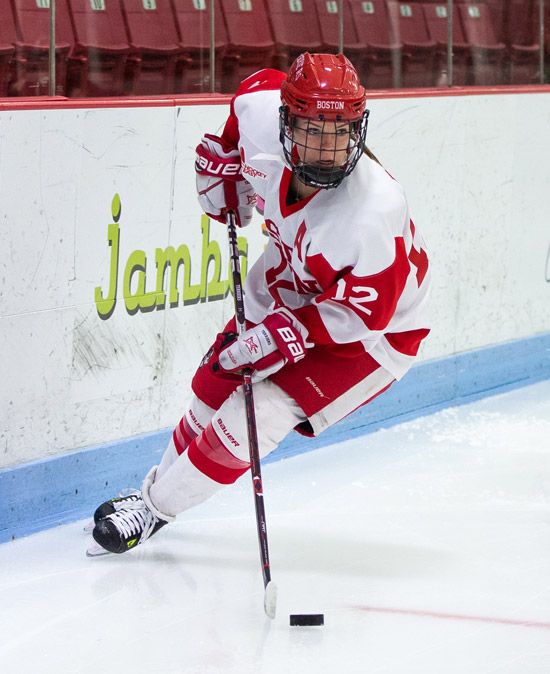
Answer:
(335, 303)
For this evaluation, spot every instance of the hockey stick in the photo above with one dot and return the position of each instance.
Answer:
(270, 589)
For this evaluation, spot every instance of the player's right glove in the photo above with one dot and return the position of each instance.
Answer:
(220, 183)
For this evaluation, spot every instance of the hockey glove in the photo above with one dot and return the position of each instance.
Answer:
(220, 183)
(265, 348)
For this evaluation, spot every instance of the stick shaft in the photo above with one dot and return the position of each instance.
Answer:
(253, 447)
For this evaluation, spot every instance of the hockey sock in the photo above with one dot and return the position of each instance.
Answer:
(196, 417)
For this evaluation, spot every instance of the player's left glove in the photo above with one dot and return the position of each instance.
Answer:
(265, 348)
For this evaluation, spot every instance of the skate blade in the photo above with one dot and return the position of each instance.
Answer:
(96, 550)
(88, 527)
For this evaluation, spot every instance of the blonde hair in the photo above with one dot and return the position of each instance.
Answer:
(370, 155)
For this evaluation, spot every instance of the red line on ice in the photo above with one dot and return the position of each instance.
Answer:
(455, 616)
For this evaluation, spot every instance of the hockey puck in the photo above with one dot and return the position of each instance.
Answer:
(307, 619)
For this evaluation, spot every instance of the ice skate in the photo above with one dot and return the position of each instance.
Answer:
(112, 505)
(109, 507)
(127, 527)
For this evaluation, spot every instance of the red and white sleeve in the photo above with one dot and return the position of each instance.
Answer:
(263, 80)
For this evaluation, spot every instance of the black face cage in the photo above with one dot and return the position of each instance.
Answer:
(322, 175)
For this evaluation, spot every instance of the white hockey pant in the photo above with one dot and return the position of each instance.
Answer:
(209, 449)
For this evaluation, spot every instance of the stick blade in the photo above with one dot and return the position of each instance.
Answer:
(270, 600)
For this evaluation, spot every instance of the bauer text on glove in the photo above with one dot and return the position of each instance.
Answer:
(264, 348)
(220, 183)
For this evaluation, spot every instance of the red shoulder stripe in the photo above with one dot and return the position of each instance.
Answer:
(267, 79)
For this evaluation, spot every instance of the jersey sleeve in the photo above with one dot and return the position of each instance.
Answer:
(267, 79)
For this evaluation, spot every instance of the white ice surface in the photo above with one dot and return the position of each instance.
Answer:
(426, 546)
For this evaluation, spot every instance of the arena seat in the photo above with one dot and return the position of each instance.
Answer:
(154, 44)
(250, 42)
(436, 20)
(98, 60)
(32, 48)
(498, 9)
(329, 24)
(382, 50)
(523, 42)
(295, 28)
(487, 53)
(419, 50)
(8, 38)
(193, 23)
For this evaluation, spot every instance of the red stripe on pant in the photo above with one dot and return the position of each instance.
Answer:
(183, 435)
(209, 455)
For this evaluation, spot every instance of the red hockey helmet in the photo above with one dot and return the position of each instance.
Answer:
(323, 88)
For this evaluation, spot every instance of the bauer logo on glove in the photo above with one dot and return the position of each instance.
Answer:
(221, 186)
(265, 348)
(216, 167)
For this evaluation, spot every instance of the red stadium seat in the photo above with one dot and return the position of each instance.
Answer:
(436, 20)
(487, 52)
(8, 38)
(193, 23)
(154, 41)
(329, 23)
(498, 10)
(419, 50)
(251, 45)
(32, 48)
(98, 61)
(295, 29)
(382, 49)
(522, 39)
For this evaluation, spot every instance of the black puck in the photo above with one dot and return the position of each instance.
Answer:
(307, 619)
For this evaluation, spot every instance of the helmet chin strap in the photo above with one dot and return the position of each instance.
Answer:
(317, 176)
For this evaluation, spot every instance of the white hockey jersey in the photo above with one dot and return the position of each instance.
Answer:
(348, 263)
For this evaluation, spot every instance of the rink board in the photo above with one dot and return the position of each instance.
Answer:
(112, 282)
(62, 489)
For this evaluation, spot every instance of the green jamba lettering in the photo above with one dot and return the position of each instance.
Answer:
(136, 298)
(140, 300)
(106, 305)
(175, 260)
(216, 288)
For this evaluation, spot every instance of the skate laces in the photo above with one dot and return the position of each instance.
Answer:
(126, 500)
(134, 519)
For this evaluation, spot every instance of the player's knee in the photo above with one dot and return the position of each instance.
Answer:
(213, 453)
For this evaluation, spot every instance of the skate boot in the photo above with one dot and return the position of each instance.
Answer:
(127, 527)
(112, 505)
(132, 520)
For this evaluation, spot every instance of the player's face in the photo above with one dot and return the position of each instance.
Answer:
(323, 144)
